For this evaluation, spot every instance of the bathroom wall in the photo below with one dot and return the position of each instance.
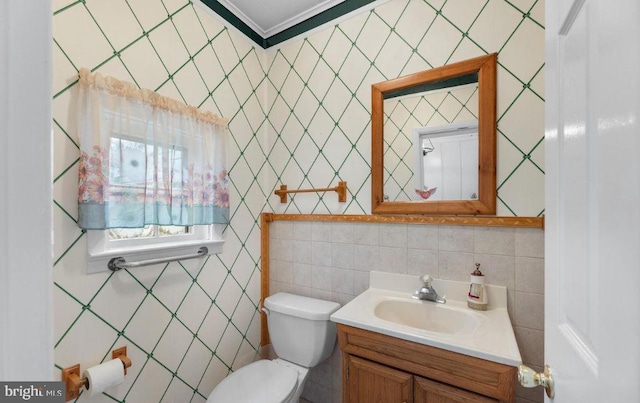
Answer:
(319, 134)
(186, 324)
(332, 261)
(319, 92)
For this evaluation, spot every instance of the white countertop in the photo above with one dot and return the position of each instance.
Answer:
(493, 338)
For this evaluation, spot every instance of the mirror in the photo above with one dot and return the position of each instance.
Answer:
(431, 141)
(434, 141)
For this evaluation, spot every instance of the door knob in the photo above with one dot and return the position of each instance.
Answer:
(530, 379)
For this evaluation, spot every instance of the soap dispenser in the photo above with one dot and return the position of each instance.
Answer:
(477, 296)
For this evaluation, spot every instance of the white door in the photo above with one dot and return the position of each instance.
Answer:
(26, 264)
(592, 231)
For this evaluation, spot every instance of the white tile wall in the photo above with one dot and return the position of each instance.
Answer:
(342, 254)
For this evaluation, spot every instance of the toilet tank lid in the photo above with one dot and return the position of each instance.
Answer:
(301, 307)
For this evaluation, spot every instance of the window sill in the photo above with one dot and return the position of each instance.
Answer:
(98, 261)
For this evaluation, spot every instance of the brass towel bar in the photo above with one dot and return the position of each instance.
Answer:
(341, 189)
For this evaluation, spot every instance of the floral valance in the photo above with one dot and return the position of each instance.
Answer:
(147, 159)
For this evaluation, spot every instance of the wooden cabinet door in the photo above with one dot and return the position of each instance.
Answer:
(368, 382)
(428, 391)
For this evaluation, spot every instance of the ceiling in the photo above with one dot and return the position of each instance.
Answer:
(269, 22)
(270, 17)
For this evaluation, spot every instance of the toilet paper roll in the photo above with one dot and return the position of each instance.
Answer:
(104, 376)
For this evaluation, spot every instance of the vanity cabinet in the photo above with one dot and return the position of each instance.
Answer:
(428, 391)
(380, 368)
(371, 382)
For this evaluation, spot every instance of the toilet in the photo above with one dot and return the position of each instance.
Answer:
(301, 335)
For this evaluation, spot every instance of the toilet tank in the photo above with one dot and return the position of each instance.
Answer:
(300, 329)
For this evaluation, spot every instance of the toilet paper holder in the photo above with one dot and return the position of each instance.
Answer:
(73, 381)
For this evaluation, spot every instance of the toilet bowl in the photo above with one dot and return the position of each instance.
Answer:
(262, 381)
(301, 335)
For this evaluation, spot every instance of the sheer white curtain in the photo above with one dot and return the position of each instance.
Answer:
(147, 159)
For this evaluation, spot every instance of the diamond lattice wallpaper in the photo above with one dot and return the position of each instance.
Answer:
(186, 324)
(299, 115)
(319, 94)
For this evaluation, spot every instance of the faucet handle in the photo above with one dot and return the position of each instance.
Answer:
(426, 279)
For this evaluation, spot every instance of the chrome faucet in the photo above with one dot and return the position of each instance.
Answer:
(427, 292)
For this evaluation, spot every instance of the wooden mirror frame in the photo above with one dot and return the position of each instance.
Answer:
(486, 67)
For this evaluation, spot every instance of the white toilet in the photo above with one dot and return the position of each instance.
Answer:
(301, 335)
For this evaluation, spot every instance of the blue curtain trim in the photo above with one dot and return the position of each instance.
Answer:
(98, 216)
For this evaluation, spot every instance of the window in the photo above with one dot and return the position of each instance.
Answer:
(153, 233)
(131, 173)
(152, 174)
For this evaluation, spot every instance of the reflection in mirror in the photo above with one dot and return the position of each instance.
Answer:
(438, 107)
(433, 133)
(445, 162)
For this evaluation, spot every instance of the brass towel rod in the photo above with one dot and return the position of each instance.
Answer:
(341, 189)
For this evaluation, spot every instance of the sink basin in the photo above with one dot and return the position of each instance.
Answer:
(387, 307)
(428, 316)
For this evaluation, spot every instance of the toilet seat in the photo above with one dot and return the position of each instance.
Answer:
(263, 381)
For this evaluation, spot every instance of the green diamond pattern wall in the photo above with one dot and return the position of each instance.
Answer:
(186, 324)
(319, 93)
(299, 114)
